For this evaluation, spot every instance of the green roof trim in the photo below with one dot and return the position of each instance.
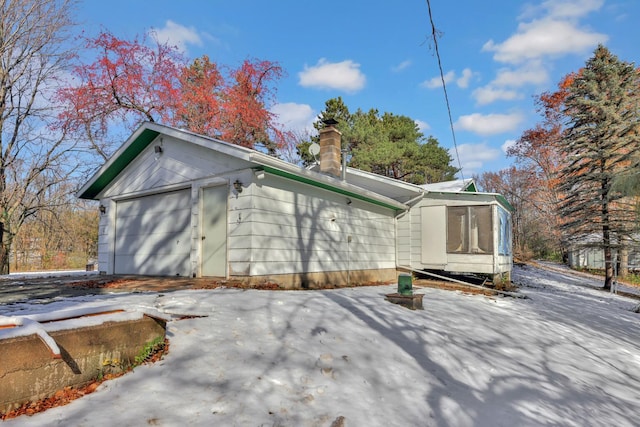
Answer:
(120, 162)
(504, 202)
(329, 187)
(471, 188)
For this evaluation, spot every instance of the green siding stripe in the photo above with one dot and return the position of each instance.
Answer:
(329, 187)
(120, 162)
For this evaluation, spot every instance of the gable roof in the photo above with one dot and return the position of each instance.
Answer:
(148, 132)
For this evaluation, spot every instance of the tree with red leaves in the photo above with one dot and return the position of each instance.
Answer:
(538, 149)
(131, 81)
(200, 98)
(127, 83)
(538, 156)
(247, 121)
(530, 222)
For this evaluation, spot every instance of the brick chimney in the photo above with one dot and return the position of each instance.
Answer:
(330, 146)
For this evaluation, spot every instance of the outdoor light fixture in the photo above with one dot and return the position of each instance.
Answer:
(238, 186)
(103, 209)
(157, 149)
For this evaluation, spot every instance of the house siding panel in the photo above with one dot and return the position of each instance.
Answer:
(404, 240)
(180, 162)
(298, 228)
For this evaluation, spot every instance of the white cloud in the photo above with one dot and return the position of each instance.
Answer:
(465, 78)
(462, 81)
(296, 117)
(488, 94)
(544, 37)
(532, 73)
(502, 88)
(489, 124)
(401, 66)
(546, 31)
(422, 126)
(473, 156)
(436, 82)
(345, 75)
(571, 8)
(177, 35)
(507, 144)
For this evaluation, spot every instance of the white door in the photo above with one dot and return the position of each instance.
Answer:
(214, 231)
(434, 235)
(153, 235)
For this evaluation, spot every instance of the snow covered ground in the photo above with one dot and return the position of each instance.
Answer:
(48, 274)
(568, 355)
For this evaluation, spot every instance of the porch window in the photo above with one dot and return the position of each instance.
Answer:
(469, 230)
(504, 238)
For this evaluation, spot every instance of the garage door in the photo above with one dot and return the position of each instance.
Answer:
(153, 235)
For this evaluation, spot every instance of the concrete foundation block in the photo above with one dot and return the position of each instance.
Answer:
(413, 302)
(30, 372)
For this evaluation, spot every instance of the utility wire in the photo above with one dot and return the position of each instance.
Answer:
(444, 85)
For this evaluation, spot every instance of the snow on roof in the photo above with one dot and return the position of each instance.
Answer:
(457, 185)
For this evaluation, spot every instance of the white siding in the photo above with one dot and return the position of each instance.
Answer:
(416, 236)
(404, 231)
(275, 225)
(290, 227)
(180, 162)
(104, 238)
(462, 263)
(433, 248)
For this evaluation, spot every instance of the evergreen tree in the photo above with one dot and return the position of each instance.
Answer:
(334, 108)
(602, 135)
(394, 147)
(388, 145)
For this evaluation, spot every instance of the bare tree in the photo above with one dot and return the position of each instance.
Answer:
(33, 158)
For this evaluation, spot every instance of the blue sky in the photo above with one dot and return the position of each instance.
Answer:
(496, 55)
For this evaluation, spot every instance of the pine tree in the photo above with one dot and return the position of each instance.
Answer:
(601, 137)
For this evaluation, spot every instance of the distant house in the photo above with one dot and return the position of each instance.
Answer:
(588, 253)
(174, 203)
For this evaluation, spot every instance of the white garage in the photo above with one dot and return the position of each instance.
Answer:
(176, 203)
(153, 234)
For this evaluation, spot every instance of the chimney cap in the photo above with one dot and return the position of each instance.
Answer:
(330, 121)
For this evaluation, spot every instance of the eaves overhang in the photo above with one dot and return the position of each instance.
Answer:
(140, 140)
(116, 164)
(482, 196)
(287, 170)
(148, 132)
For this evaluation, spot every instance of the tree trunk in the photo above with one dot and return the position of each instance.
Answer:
(606, 230)
(623, 271)
(4, 251)
(608, 261)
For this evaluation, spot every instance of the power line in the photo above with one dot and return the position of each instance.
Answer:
(444, 85)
